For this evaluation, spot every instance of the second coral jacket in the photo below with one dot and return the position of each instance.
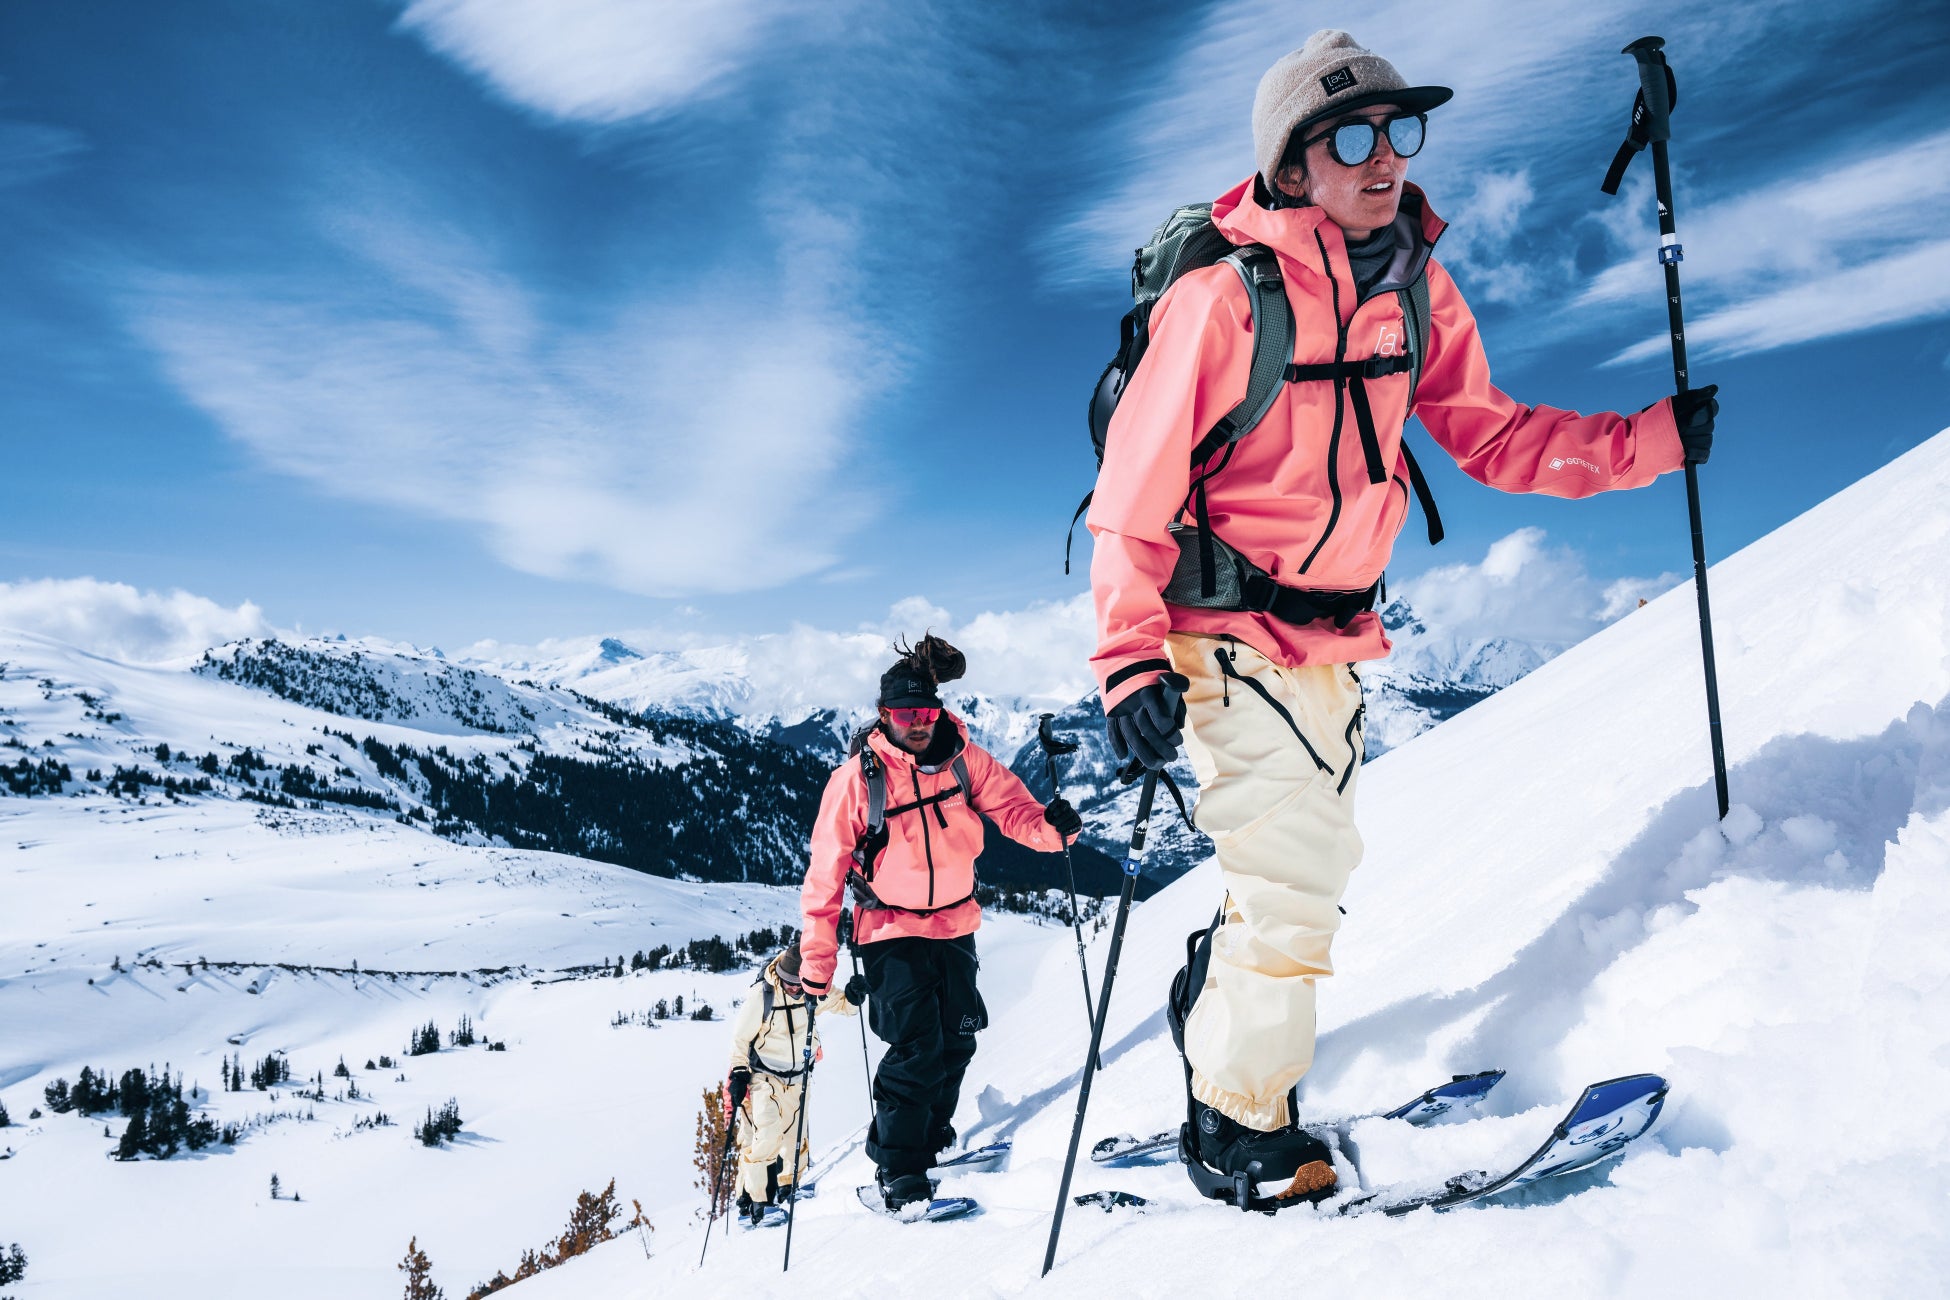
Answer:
(929, 861)
(1295, 496)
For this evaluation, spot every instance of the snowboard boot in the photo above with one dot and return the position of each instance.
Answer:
(1255, 1170)
(900, 1190)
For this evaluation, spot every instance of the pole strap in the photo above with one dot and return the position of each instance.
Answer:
(1640, 134)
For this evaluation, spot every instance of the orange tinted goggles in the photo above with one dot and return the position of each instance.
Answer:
(912, 717)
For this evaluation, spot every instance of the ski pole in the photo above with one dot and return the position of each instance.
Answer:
(1052, 746)
(717, 1184)
(1133, 861)
(1652, 124)
(799, 1134)
(866, 1061)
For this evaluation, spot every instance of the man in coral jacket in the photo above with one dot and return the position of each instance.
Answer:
(1307, 506)
(914, 914)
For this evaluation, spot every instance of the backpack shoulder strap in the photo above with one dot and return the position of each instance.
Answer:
(876, 778)
(1415, 318)
(1259, 270)
(765, 1002)
(960, 768)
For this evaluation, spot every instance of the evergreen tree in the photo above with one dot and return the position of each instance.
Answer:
(5, 1119)
(56, 1096)
(13, 1264)
(134, 1137)
(276, 1187)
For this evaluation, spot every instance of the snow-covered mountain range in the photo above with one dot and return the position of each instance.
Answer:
(1546, 890)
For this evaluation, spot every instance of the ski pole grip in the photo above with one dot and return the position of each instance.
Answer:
(1654, 85)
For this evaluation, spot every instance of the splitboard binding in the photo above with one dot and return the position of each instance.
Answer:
(931, 1211)
(1460, 1093)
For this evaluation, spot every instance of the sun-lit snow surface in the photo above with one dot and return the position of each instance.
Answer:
(1546, 889)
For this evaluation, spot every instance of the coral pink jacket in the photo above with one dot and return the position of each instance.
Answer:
(929, 861)
(1296, 499)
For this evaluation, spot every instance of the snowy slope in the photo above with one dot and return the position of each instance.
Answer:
(1546, 889)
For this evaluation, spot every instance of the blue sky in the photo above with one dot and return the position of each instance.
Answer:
(463, 319)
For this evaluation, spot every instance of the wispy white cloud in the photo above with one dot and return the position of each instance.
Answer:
(677, 445)
(117, 621)
(1798, 259)
(601, 61)
(1541, 97)
(32, 151)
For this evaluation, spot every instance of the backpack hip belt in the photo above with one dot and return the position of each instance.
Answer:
(1240, 585)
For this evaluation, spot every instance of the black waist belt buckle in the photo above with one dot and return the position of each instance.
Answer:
(1292, 605)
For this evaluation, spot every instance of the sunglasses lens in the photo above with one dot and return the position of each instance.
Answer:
(1405, 135)
(913, 717)
(1352, 143)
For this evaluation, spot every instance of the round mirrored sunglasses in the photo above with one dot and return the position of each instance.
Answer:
(1353, 142)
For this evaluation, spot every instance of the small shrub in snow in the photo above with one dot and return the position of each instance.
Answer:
(702, 1011)
(589, 1225)
(708, 1155)
(419, 1274)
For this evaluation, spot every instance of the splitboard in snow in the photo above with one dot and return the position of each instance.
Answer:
(1461, 1092)
(978, 1160)
(1606, 1118)
(941, 1207)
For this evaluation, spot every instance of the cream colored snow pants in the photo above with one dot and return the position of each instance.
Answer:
(1280, 811)
(771, 1115)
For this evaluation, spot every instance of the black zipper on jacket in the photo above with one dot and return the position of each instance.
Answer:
(1340, 408)
(927, 841)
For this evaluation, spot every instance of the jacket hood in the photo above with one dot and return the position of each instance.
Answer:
(948, 742)
(1241, 218)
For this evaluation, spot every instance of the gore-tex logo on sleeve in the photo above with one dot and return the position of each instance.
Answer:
(1338, 80)
(1559, 462)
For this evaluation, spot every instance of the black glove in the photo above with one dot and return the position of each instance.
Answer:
(1063, 817)
(856, 990)
(739, 1084)
(1145, 725)
(1693, 411)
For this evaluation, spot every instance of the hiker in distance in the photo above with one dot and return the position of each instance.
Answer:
(765, 1085)
(899, 829)
(1236, 574)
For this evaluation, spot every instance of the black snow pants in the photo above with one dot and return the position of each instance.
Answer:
(922, 1002)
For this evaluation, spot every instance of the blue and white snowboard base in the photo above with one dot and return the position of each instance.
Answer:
(934, 1211)
(1606, 1117)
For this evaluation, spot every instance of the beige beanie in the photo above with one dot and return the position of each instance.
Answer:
(1331, 73)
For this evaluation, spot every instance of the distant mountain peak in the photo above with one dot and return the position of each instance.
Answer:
(612, 651)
